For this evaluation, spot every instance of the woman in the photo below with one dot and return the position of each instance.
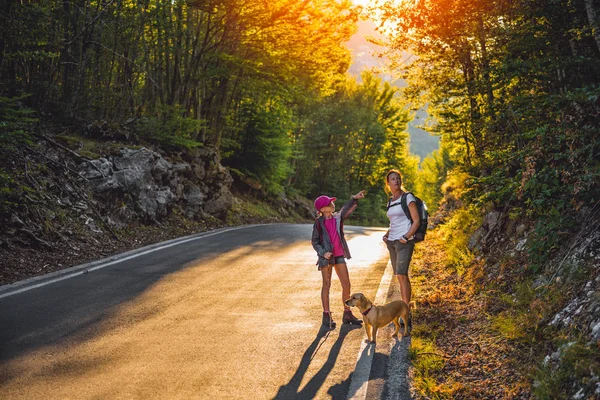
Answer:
(399, 238)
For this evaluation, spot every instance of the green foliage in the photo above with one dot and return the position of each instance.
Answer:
(431, 177)
(424, 357)
(261, 147)
(16, 121)
(456, 233)
(510, 326)
(116, 61)
(548, 235)
(350, 140)
(515, 91)
(577, 362)
(8, 194)
(170, 129)
(370, 212)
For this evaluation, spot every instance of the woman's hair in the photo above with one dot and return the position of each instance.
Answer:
(387, 176)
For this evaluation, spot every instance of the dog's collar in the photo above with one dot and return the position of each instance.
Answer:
(366, 312)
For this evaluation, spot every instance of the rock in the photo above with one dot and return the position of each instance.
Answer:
(491, 220)
(198, 171)
(220, 203)
(194, 201)
(181, 168)
(304, 209)
(475, 239)
(595, 328)
(520, 230)
(521, 245)
(141, 184)
(95, 169)
(161, 170)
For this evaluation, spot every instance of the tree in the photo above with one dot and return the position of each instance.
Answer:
(514, 88)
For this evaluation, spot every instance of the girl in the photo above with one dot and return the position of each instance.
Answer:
(331, 247)
(399, 238)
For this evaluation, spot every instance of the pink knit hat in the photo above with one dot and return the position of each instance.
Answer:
(323, 201)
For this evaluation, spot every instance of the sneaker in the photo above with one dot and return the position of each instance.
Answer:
(350, 319)
(328, 320)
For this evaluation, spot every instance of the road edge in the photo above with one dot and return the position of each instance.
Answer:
(47, 279)
(360, 378)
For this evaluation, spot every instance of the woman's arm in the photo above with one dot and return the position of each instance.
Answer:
(414, 214)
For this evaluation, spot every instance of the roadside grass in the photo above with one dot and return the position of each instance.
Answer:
(467, 342)
(456, 233)
(482, 328)
(247, 209)
(427, 362)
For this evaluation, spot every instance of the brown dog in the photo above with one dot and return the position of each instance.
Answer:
(375, 317)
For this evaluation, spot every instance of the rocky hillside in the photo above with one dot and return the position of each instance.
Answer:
(546, 316)
(68, 205)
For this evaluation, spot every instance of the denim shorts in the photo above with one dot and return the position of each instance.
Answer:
(400, 255)
(332, 261)
(337, 260)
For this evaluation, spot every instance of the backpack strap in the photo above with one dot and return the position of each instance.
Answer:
(390, 206)
(404, 204)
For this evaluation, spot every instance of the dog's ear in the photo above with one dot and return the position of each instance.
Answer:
(364, 302)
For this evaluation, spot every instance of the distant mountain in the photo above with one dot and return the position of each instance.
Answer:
(365, 57)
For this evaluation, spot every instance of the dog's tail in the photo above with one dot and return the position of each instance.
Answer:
(412, 305)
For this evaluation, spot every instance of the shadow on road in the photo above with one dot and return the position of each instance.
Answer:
(388, 375)
(83, 308)
(73, 311)
(309, 391)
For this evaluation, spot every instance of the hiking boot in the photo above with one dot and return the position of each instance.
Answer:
(328, 320)
(351, 319)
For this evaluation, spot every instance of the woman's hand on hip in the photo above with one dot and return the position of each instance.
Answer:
(327, 255)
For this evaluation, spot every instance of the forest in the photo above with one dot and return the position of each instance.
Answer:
(512, 88)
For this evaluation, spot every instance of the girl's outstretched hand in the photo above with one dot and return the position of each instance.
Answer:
(359, 195)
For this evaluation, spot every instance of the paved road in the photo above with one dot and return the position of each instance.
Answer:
(229, 314)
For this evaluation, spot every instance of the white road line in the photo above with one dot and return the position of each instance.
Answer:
(67, 273)
(360, 377)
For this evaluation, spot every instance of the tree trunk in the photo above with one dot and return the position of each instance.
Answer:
(485, 67)
(591, 8)
(6, 12)
(469, 76)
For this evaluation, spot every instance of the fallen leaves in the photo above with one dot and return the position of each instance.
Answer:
(453, 313)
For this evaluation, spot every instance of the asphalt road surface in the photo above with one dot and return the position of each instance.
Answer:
(232, 314)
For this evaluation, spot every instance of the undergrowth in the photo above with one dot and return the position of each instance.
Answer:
(456, 233)
(483, 323)
(554, 380)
